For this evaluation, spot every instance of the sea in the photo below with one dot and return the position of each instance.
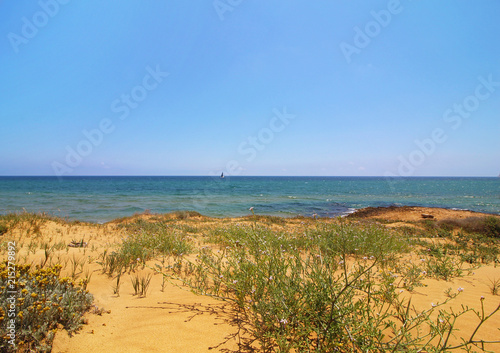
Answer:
(101, 199)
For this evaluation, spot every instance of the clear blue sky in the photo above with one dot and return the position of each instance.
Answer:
(392, 87)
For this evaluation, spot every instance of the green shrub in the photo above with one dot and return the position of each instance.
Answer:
(443, 267)
(359, 240)
(3, 229)
(43, 302)
(488, 226)
(492, 225)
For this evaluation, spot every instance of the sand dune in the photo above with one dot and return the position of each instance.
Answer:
(176, 320)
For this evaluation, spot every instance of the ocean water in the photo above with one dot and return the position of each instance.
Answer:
(101, 199)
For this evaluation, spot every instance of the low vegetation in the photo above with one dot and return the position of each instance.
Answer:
(295, 285)
(45, 303)
(487, 226)
(3, 229)
(145, 241)
(332, 287)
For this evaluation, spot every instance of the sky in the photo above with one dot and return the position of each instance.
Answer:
(283, 87)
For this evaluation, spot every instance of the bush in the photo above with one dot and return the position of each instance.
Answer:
(3, 229)
(489, 226)
(492, 225)
(43, 302)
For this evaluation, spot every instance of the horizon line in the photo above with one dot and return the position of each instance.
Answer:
(263, 176)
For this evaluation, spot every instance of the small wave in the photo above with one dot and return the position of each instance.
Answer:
(348, 212)
(459, 209)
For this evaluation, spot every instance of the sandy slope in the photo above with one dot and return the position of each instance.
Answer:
(177, 320)
(169, 321)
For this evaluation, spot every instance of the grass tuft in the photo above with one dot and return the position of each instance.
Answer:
(145, 241)
(495, 286)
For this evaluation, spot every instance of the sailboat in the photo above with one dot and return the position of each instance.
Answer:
(222, 176)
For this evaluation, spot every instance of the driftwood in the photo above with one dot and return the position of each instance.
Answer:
(426, 215)
(77, 244)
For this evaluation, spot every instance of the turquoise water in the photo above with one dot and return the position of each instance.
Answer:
(101, 199)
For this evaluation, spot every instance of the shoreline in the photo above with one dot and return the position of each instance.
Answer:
(370, 212)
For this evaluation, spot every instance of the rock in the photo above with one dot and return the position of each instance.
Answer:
(426, 215)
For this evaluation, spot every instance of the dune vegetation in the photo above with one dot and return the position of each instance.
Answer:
(292, 285)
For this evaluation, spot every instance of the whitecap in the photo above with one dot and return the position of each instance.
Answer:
(348, 212)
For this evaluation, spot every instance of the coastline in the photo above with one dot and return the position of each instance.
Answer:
(369, 212)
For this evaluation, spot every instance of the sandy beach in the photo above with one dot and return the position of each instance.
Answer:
(171, 318)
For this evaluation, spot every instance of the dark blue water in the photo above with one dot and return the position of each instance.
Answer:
(101, 199)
